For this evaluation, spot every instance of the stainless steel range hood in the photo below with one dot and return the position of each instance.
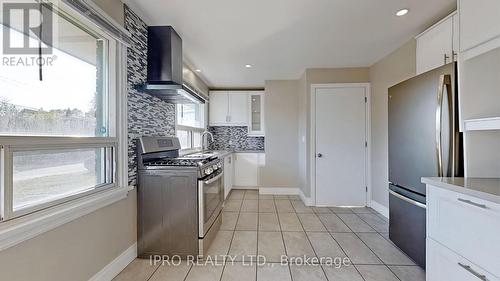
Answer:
(164, 77)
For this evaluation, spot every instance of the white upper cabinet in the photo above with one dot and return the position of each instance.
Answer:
(219, 107)
(256, 113)
(479, 26)
(228, 108)
(438, 45)
(238, 109)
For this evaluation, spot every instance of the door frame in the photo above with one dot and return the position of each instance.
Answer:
(312, 137)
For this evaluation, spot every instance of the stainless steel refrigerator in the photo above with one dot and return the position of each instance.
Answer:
(424, 141)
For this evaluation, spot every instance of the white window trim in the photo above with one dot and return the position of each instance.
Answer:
(192, 129)
(20, 229)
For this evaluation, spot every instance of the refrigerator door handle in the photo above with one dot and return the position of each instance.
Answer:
(444, 83)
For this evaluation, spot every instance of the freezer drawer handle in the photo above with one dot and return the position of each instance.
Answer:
(472, 271)
(473, 203)
(413, 202)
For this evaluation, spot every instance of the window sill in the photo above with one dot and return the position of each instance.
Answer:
(187, 151)
(21, 229)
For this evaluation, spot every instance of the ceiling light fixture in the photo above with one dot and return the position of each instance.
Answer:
(197, 70)
(402, 12)
(248, 65)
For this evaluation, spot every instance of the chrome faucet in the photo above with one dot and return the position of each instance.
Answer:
(208, 134)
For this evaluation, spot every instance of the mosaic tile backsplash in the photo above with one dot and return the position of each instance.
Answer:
(235, 138)
(147, 115)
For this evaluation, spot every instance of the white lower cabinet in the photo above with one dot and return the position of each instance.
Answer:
(444, 264)
(246, 169)
(463, 241)
(228, 174)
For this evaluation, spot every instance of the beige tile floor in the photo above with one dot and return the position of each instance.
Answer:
(273, 226)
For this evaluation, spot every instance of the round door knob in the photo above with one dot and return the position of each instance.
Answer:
(320, 155)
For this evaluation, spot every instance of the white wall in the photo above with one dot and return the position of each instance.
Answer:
(394, 68)
(76, 250)
(281, 143)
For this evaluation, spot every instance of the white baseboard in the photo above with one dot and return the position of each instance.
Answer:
(111, 270)
(245, 187)
(307, 200)
(279, 190)
(380, 208)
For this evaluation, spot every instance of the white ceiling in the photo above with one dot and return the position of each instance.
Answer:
(281, 38)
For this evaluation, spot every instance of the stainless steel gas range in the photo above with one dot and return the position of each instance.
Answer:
(179, 198)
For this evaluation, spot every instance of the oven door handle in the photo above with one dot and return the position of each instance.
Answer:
(214, 179)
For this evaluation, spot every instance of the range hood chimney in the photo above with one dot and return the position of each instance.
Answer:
(164, 77)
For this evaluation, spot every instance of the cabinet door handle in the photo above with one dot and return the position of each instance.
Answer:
(473, 203)
(446, 57)
(473, 272)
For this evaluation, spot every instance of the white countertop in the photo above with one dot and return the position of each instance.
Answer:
(482, 188)
(224, 153)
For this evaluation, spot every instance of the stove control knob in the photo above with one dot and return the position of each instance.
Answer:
(208, 171)
(219, 165)
(215, 167)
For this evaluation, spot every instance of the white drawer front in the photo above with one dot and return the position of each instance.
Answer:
(468, 226)
(443, 265)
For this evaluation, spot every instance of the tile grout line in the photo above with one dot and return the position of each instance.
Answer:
(154, 271)
(369, 248)
(380, 233)
(283, 241)
(340, 246)
(257, 244)
(187, 274)
(232, 238)
(309, 240)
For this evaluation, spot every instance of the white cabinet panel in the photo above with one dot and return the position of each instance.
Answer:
(479, 22)
(228, 174)
(467, 225)
(456, 35)
(435, 46)
(238, 109)
(443, 264)
(219, 108)
(228, 108)
(246, 169)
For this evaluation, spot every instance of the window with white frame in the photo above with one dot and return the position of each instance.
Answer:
(59, 121)
(190, 119)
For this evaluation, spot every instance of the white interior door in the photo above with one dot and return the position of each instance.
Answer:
(340, 146)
